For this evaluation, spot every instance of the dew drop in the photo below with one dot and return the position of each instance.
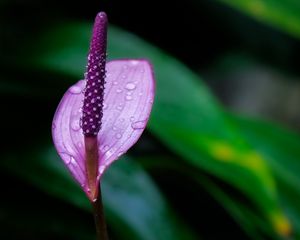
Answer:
(75, 125)
(105, 106)
(73, 161)
(101, 169)
(120, 106)
(128, 97)
(115, 83)
(118, 135)
(114, 128)
(132, 119)
(105, 148)
(139, 125)
(119, 90)
(120, 153)
(109, 153)
(130, 86)
(53, 126)
(69, 159)
(75, 90)
(134, 62)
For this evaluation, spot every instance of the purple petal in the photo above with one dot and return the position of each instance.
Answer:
(128, 98)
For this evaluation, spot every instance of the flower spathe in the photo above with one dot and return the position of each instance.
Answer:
(126, 106)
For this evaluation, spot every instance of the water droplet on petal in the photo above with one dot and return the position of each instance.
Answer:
(132, 119)
(73, 161)
(75, 125)
(105, 106)
(115, 83)
(105, 148)
(101, 169)
(118, 135)
(128, 97)
(130, 86)
(115, 128)
(139, 125)
(120, 153)
(134, 62)
(119, 90)
(75, 90)
(68, 160)
(53, 126)
(119, 108)
(110, 152)
(66, 157)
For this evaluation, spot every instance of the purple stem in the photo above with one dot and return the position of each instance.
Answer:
(100, 223)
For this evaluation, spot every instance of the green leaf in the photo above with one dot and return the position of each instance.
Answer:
(281, 148)
(135, 209)
(231, 205)
(283, 14)
(186, 117)
(250, 221)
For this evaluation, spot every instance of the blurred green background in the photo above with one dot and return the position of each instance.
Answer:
(220, 156)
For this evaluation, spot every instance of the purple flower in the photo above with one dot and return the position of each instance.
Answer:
(102, 116)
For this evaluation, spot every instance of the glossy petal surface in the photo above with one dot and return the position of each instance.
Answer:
(128, 98)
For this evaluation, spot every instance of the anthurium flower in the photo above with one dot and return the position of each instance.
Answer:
(100, 117)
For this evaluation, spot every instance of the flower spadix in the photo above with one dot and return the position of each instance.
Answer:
(101, 117)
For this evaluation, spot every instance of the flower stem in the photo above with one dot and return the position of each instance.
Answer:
(98, 212)
(91, 165)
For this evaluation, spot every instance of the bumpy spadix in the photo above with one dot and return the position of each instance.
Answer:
(122, 111)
